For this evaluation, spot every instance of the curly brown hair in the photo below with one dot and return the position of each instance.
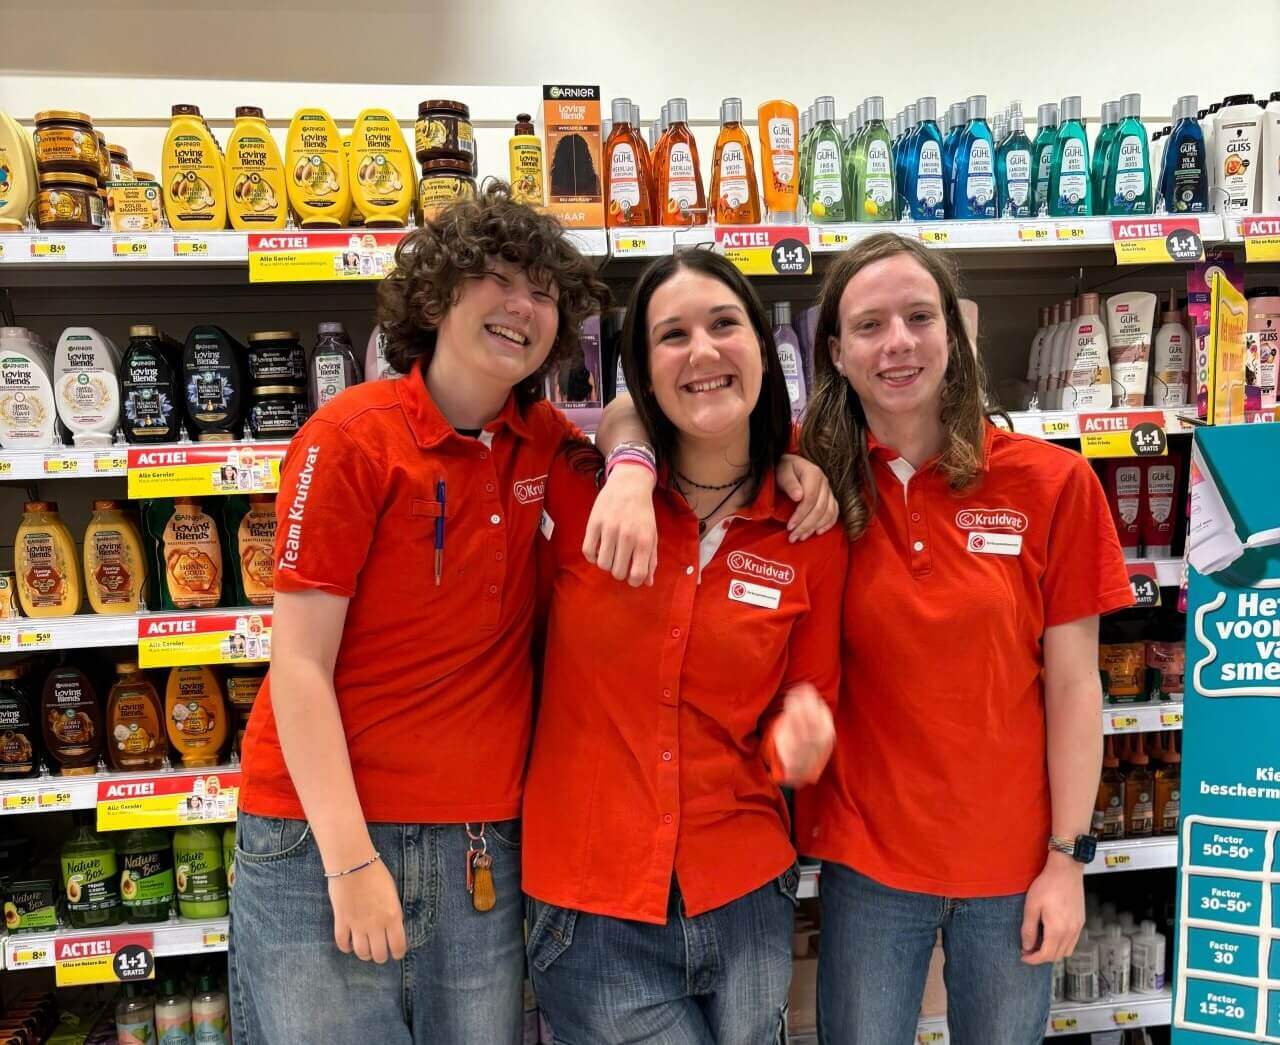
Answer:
(834, 435)
(432, 262)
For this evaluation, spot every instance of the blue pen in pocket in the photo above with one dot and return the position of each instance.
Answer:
(439, 531)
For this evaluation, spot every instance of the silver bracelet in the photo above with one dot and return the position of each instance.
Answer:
(358, 867)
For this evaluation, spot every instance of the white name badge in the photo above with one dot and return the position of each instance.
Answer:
(754, 594)
(995, 543)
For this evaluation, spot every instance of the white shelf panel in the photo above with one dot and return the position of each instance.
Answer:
(51, 794)
(172, 938)
(1142, 718)
(1062, 425)
(92, 630)
(1135, 854)
(64, 462)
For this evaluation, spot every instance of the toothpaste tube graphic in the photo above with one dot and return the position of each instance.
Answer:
(1242, 643)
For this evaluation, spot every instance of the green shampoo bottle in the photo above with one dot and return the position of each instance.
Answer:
(146, 875)
(1069, 189)
(90, 877)
(200, 876)
(1041, 155)
(874, 194)
(828, 195)
(1110, 123)
(1128, 181)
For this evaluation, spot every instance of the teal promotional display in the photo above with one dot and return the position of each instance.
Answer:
(1227, 951)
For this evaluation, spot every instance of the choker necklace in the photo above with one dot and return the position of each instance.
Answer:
(733, 488)
(703, 486)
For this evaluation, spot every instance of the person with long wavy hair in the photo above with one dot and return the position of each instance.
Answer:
(959, 796)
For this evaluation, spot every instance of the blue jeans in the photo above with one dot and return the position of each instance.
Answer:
(874, 959)
(720, 977)
(461, 980)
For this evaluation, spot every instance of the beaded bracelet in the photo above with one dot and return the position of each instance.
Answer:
(632, 453)
(358, 867)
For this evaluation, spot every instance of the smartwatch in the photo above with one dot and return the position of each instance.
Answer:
(1082, 850)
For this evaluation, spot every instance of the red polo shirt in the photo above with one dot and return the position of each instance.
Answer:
(657, 702)
(939, 782)
(434, 684)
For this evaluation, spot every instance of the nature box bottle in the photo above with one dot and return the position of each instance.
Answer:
(316, 171)
(135, 727)
(146, 875)
(735, 199)
(150, 392)
(90, 877)
(1109, 123)
(973, 183)
(135, 1017)
(198, 872)
(229, 854)
(1013, 171)
(525, 151)
(72, 721)
(381, 170)
(195, 196)
(1185, 185)
(115, 566)
(18, 743)
(828, 196)
(1042, 156)
(873, 195)
(256, 197)
(628, 197)
(681, 199)
(1128, 168)
(922, 187)
(195, 715)
(1069, 189)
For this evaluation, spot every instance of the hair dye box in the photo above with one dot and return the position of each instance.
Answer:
(571, 128)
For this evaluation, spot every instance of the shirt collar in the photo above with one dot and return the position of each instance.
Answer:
(885, 453)
(769, 501)
(429, 426)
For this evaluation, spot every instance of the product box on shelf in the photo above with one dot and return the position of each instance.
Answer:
(571, 125)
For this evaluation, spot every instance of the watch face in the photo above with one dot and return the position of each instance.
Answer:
(1086, 848)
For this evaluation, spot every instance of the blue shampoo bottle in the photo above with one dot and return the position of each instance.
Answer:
(973, 182)
(1013, 170)
(1185, 185)
(922, 182)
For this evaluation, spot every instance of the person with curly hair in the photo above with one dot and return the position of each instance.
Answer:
(378, 893)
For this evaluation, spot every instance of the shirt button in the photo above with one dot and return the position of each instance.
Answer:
(488, 487)
(495, 519)
(667, 818)
(688, 570)
(915, 516)
(666, 756)
(675, 633)
(498, 556)
(493, 589)
(484, 456)
(666, 692)
(918, 546)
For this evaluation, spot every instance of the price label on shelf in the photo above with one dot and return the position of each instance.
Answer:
(1144, 241)
(1126, 1017)
(6, 467)
(205, 470)
(1118, 859)
(55, 800)
(34, 638)
(930, 1037)
(1033, 233)
(168, 800)
(1124, 723)
(322, 257)
(130, 246)
(766, 250)
(629, 243)
(205, 638)
(109, 958)
(1057, 427)
(59, 464)
(190, 247)
(45, 248)
(1064, 1024)
(29, 957)
(23, 803)
(1070, 233)
(110, 464)
(928, 235)
(1171, 719)
(1261, 237)
(215, 940)
(831, 239)
(1131, 433)
(1144, 585)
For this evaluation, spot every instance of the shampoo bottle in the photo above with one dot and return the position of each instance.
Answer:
(199, 874)
(1109, 123)
(209, 1012)
(1147, 973)
(195, 715)
(735, 199)
(135, 722)
(1185, 185)
(1170, 358)
(381, 170)
(173, 1015)
(1034, 358)
(1128, 165)
(150, 392)
(18, 178)
(681, 198)
(86, 387)
(1237, 142)
(1270, 203)
(1169, 787)
(317, 183)
(1108, 810)
(1114, 962)
(1041, 157)
(827, 196)
(957, 118)
(973, 186)
(1087, 375)
(71, 720)
(789, 357)
(1044, 358)
(525, 154)
(922, 186)
(1083, 971)
(1261, 342)
(19, 741)
(333, 366)
(115, 565)
(146, 876)
(1069, 189)
(27, 408)
(195, 196)
(779, 123)
(1013, 171)
(254, 174)
(135, 1017)
(1139, 812)
(627, 191)
(46, 563)
(90, 877)
(1129, 321)
(873, 196)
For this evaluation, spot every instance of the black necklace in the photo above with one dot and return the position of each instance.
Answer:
(703, 486)
(734, 487)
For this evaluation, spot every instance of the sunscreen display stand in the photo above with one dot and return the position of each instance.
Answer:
(1227, 946)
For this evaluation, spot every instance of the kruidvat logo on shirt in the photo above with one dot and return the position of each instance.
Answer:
(293, 535)
(530, 490)
(766, 569)
(991, 519)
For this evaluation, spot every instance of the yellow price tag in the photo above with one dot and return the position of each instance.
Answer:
(1057, 426)
(1118, 859)
(61, 466)
(6, 640)
(1070, 231)
(1064, 1024)
(1171, 719)
(6, 467)
(19, 803)
(833, 239)
(130, 248)
(930, 1037)
(1033, 233)
(215, 939)
(1, 252)
(186, 246)
(935, 235)
(34, 638)
(43, 248)
(1126, 1017)
(1124, 722)
(29, 957)
(631, 244)
(55, 799)
(110, 462)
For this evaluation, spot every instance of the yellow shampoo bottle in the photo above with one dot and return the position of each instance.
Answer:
(115, 567)
(354, 219)
(17, 174)
(316, 174)
(256, 197)
(382, 181)
(195, 714)
(195, 196)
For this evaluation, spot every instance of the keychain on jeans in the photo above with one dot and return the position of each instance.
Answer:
(480, 871)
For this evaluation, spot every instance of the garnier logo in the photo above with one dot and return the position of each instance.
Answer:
(558, 91)
(991, 519)
(528, 490)
(754, 566)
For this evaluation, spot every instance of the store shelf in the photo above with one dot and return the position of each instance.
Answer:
(1064, 425)
(1135, 854)
(50, 794)
(1142, 718)
(35, 950)
(64, 462)
(92, 630)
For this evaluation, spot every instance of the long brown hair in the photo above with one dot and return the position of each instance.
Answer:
(834, 436)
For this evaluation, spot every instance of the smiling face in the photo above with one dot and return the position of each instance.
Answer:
(501, 327)
(893, 343)
(705, 360)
